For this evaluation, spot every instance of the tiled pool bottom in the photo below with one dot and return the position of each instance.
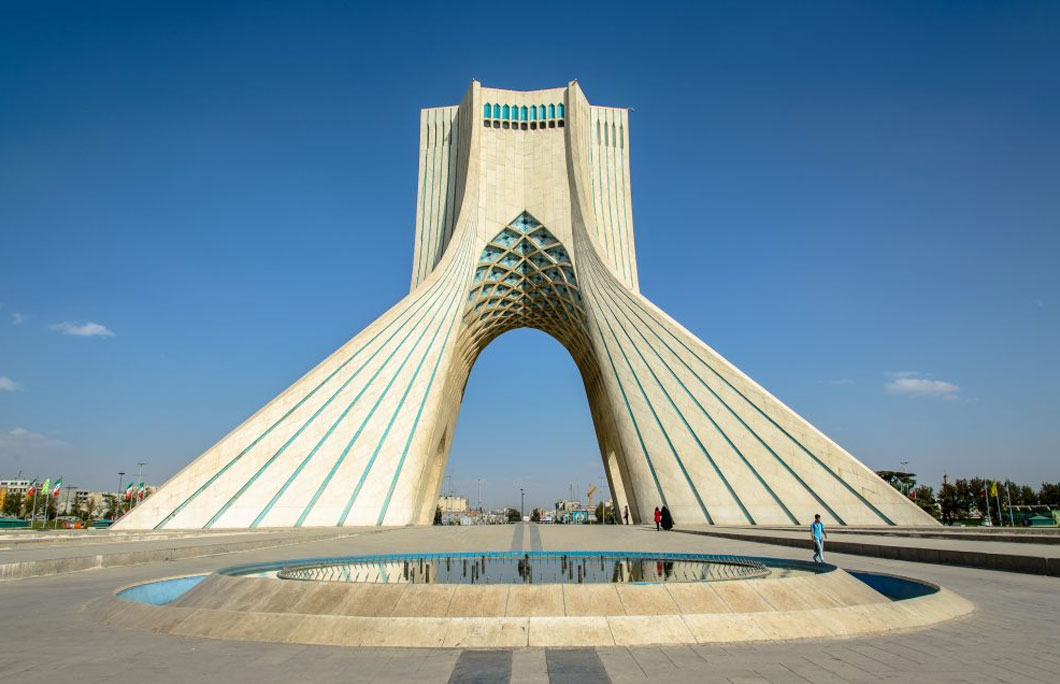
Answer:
(161, 592)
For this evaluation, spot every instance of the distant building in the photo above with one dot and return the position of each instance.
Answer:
(70, 503)
(10, 488)
(452, 504)
(14, 486)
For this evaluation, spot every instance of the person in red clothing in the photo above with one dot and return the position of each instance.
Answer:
(658, 518)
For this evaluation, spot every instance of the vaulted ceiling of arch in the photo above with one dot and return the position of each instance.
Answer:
(525, 279)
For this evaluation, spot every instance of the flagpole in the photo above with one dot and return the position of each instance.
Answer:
(1008, 496)
(57, 485)
(33, 510)
(997, 498)
(139, 482)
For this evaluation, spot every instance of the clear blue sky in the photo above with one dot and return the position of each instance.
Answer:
(858, 203)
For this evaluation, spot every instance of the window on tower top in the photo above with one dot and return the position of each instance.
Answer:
(486, 109)
(496, 111)
(560, 110)
(522, 114)
(552, 111)
(507, 113)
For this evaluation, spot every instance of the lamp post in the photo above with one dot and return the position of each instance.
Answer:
(118, 495)
(139, 481)
(522, 500)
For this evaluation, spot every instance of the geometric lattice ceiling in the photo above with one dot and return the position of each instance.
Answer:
(524, 278)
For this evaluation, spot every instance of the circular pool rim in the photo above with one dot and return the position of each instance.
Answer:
(768, 562)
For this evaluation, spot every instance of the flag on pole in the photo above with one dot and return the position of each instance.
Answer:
(32, 488)
(141, 490)
(47, 485)
(57, 487)
(127, 495)
(993, 489)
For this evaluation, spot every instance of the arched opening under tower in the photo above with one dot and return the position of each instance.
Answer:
(524, 423)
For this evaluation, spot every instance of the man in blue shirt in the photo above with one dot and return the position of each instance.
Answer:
(818, 535)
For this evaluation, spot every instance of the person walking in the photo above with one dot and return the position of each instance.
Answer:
(627, 515)
(818, 535)
(667, 519)
(658, 518)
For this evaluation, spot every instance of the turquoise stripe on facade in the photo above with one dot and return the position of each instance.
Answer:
(622, 152)
(338, 421)
(680, 414)
(429, 251)
(364, 423)
(735, 415)
(612, 190)
(415, 423)
(453, 154)
(265, 466)
(390, 424)
(658, 423)
(610, 168)
(345, 452)
(421, 232)
(636, 427)
(755, 434)
(410, 310)
(703, 410)
(601, 235)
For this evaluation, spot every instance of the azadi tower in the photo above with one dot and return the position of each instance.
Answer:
(523, 219)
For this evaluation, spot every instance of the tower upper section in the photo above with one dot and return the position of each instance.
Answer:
(501, 152)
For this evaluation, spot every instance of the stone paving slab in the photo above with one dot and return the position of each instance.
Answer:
(21, 563)
(1035, 559)
(1010, 638)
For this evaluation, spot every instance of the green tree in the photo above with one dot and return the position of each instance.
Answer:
(1024, 495)
(979, 489)
(924, 496)
(514, 515)
(966, 499)
(1049, 494)
(535, 515)
(948, 503)
(902, 481)
(111, 506)
(13, 503)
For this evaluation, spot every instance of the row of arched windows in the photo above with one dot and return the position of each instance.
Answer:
(611, 136)
(524, 113)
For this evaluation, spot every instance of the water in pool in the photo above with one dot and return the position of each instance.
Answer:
(529, 569)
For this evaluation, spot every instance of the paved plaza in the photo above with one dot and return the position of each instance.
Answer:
(1011, 637)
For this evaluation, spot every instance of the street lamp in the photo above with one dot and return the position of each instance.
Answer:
(139, 481)
(522, 500)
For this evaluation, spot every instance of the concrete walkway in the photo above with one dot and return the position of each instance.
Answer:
(51, 557)
(1001, 552)
(1010, 638)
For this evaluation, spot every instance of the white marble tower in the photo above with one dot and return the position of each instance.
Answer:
(523, 220)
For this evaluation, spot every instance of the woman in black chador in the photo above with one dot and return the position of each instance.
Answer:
(667, 519)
